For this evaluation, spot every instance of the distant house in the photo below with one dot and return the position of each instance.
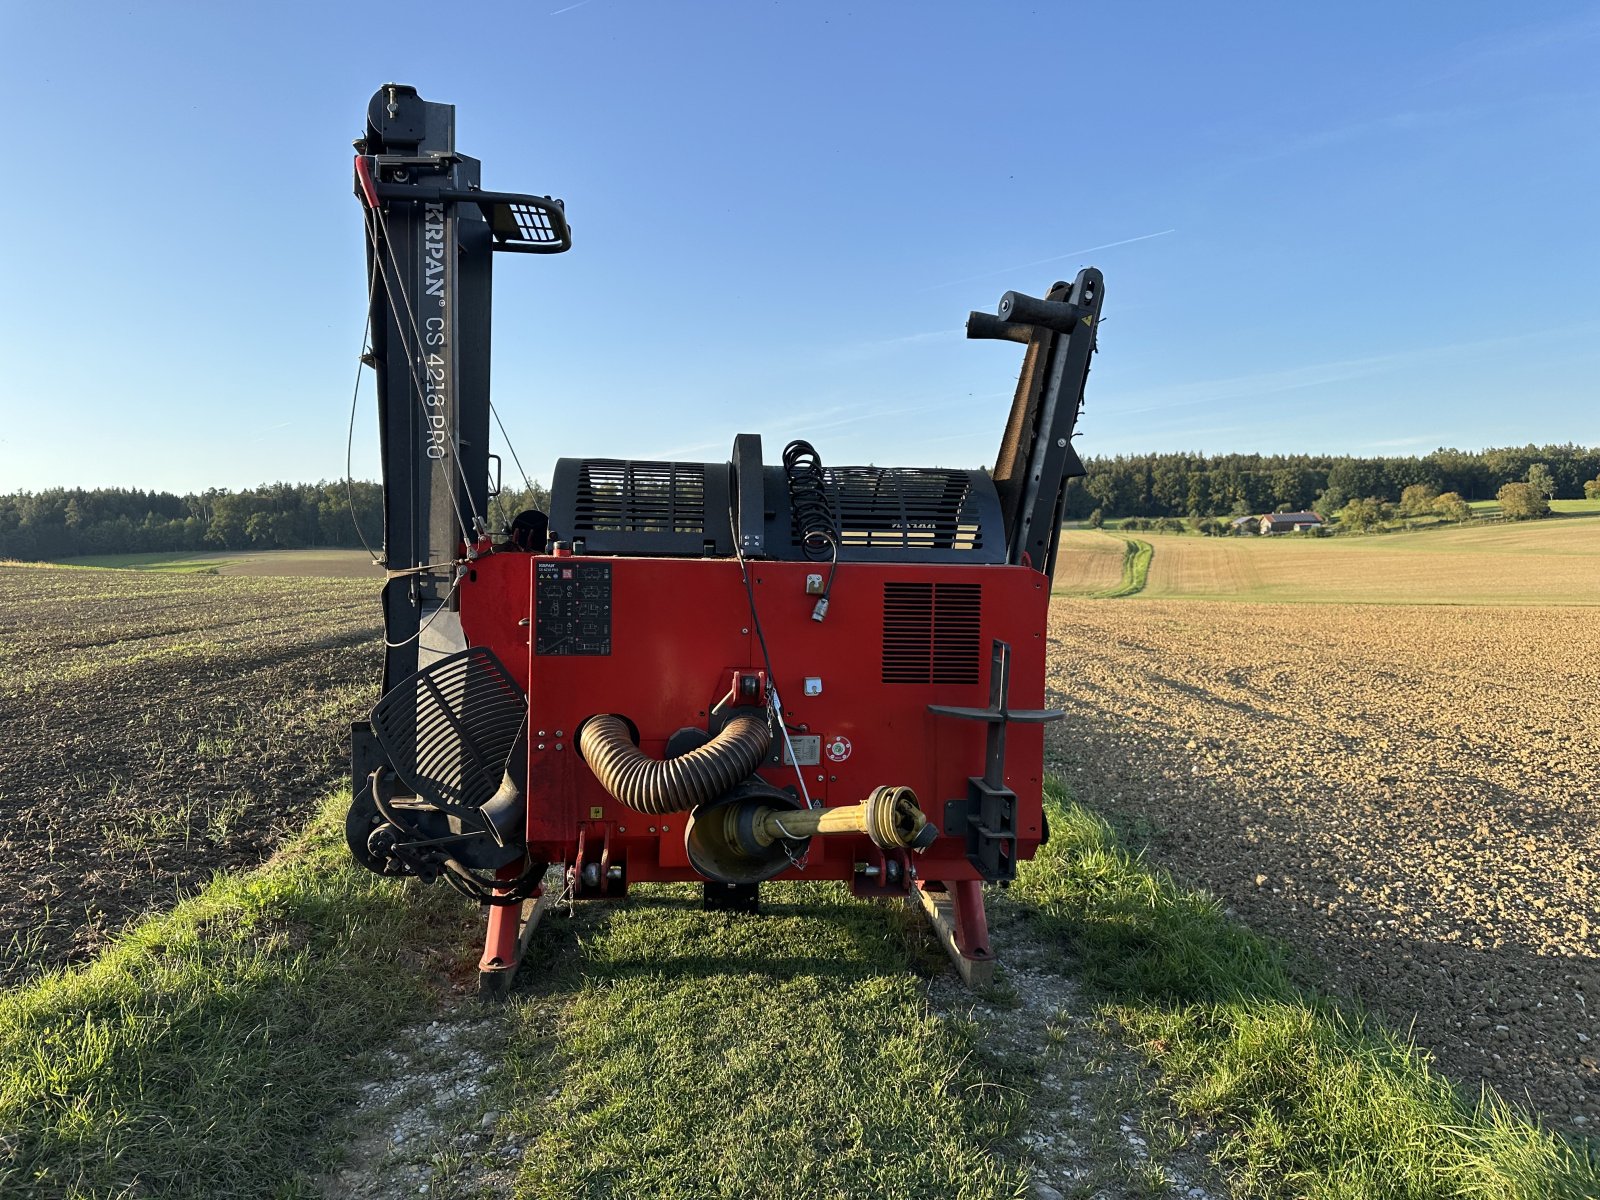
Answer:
(1243, 524)
(1289, 522)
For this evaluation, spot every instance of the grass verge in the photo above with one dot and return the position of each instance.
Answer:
(1309, 1099)
(203, 1053)
(1136, 556)
(685, 1054)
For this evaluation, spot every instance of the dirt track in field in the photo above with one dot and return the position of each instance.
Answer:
(159, 728)
(1410, 796)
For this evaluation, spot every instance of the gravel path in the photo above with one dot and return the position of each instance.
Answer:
(1096, 1128)
(1407, 795)
(427, 1125)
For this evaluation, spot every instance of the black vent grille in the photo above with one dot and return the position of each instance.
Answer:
(449, 729)
(618, 496)
(905, 508)
(931, 632)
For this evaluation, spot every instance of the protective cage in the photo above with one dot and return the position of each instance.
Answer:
(524, 224)
(449, 729)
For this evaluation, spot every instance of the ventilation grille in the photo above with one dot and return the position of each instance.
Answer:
(619, 496)
(449, 729)
(905, 508)
(931, 632)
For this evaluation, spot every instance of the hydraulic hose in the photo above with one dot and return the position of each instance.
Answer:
(658, 786)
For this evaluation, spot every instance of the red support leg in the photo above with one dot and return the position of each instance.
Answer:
(956, 912)
(500, 948)
(510, 927)
(972, 923)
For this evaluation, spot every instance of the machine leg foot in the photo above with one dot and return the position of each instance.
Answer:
(957, 916)
(510, 928)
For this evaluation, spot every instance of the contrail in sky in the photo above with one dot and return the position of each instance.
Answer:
(1143, 237)
(569, 8)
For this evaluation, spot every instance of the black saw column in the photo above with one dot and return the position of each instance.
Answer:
(431, 266)
(432, 233)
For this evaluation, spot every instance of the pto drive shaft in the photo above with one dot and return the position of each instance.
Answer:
(756, 832)
(890, 816)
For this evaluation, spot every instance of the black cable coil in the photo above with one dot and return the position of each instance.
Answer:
(816, 526)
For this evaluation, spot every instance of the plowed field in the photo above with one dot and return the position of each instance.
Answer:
(1407, 794)
(157, 728)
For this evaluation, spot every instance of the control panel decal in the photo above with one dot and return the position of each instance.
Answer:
(572, 607)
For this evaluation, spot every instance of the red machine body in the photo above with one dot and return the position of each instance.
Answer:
(682, 629)
(745, 647)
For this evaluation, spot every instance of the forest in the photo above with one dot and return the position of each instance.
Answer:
(59, 523)
(1198, 485)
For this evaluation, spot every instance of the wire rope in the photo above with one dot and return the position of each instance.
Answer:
(772, 678)
(350, 436)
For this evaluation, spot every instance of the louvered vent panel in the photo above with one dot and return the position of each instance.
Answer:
(931, 632)
(618, 496)
(905, 508)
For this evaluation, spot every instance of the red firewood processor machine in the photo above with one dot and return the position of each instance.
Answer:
(718, 672)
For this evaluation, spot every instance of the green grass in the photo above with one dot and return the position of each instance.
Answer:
(657, 1050)
(205, 1053)
(1483, 508)
(1136, 556)
(1308, 1099)
(697, 1055)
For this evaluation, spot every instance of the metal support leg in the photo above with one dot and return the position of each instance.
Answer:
(957, 916)
(510, 928)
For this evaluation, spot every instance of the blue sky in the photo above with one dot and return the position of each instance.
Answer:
(1366, 228)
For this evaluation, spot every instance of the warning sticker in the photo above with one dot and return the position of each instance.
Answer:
(838, 748)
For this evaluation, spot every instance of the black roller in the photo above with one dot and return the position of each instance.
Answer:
(1022, 309)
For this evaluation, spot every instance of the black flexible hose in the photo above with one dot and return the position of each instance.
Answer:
(659, 786)
(815, 523)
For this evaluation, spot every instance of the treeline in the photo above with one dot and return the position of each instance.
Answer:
(65, 522)
(1197, 485)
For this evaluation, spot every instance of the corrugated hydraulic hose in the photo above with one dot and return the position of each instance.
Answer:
(657, 786)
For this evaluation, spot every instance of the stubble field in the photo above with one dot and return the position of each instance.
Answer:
(1537, 562)
(1406, 794)
(159, 728)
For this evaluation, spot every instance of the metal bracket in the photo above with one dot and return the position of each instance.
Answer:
(749, 499)
(731, 897)
(594, 875)
(988, 813)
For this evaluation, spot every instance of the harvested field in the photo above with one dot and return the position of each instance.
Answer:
(338, 564)
(1093, 565)
(1405, 794)
(1535, 562)
(159, 728)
